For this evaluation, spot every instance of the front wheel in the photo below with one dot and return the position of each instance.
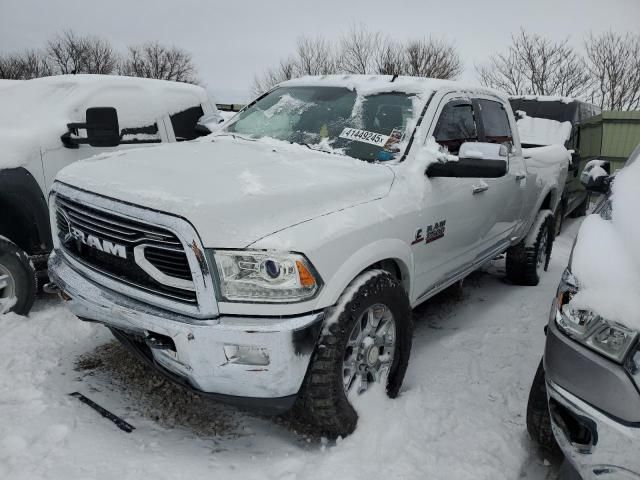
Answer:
(17, 279)
(366, 340)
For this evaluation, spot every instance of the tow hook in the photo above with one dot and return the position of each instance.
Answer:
(51, 288)
(160, 342)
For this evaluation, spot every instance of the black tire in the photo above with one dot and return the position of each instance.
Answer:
(581, 210)
(538, 416)
(527, 259)
(322, 403)
(15, 262)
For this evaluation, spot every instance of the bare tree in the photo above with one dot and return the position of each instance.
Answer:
(101, 58)
(536, 65)
(314, 56)
(287, 70)
(70, 52)
(390, 58)
(25, 65)
(153, 60)
(432, 58)
(358, 49)
(614, 64)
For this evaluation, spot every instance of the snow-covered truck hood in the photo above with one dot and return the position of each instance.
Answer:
(234, 191)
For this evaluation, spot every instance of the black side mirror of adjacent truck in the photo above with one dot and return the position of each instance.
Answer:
(475, 160)
(102, 129)
(596, 176)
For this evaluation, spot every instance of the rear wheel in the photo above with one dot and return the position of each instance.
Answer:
(527, 260)
(367, 340)
(538, 416)
(17, 279)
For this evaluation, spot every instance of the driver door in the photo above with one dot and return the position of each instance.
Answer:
(458, 209)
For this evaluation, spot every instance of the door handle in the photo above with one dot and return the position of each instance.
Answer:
(480, 188)
(520, 176)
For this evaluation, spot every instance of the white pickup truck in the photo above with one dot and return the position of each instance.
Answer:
(43, 128)
(276, 262)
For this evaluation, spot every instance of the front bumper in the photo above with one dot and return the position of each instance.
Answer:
(197, 356)
(613, 448)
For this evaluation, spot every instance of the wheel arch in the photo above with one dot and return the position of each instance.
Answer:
(392, 255)
(25, 214)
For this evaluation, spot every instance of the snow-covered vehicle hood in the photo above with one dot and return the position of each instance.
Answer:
(234, 191)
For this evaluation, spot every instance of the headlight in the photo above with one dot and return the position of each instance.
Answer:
(591, 330)
(261, 276)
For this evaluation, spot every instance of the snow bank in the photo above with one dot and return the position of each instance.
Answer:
(606, 259)
(542, 131)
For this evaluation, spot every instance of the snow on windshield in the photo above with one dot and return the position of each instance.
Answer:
(606, 259)
(542, 131)
(372, 126)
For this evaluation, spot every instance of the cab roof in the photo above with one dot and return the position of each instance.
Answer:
(372, 84)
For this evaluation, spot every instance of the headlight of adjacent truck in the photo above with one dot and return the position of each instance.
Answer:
(608, 338)
(262, 276)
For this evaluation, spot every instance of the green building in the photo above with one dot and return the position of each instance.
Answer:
(612, 136)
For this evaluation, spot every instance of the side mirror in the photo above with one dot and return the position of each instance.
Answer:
(475, 160)
(102, 129)
(595, 177)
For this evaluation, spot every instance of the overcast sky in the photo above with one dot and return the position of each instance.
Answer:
(232, 40)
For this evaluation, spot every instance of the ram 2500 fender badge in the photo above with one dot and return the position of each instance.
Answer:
(94, 242)
(430, 234)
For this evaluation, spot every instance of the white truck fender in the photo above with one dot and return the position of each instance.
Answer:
(372, 253)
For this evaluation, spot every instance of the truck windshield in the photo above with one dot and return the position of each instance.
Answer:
(372, 127)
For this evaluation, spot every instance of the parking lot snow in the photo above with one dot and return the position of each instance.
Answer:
(460, 415)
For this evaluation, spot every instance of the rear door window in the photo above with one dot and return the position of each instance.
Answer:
(495, 122)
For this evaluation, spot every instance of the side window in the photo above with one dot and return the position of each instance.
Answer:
(495, 122)
(455, 126)
(184, 123)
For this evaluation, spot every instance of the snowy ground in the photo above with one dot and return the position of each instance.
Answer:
(461, 414)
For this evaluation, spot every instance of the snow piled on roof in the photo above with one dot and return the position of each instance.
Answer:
(542, 131)
(9, 83)
(606, 259)
(35, 113)
(372, 84)
(543, 98)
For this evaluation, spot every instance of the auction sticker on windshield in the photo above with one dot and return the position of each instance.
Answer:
(364, 136)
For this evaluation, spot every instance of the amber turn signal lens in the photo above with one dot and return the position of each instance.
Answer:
(306, 279)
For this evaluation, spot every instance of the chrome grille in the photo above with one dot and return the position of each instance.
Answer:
(163, 249)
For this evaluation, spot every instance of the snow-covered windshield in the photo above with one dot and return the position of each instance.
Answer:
(373, 127)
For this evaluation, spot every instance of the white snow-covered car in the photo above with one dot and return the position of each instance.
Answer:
(49, 123)
(276, 262)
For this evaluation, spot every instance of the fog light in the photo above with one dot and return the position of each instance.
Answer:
(247, 355)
